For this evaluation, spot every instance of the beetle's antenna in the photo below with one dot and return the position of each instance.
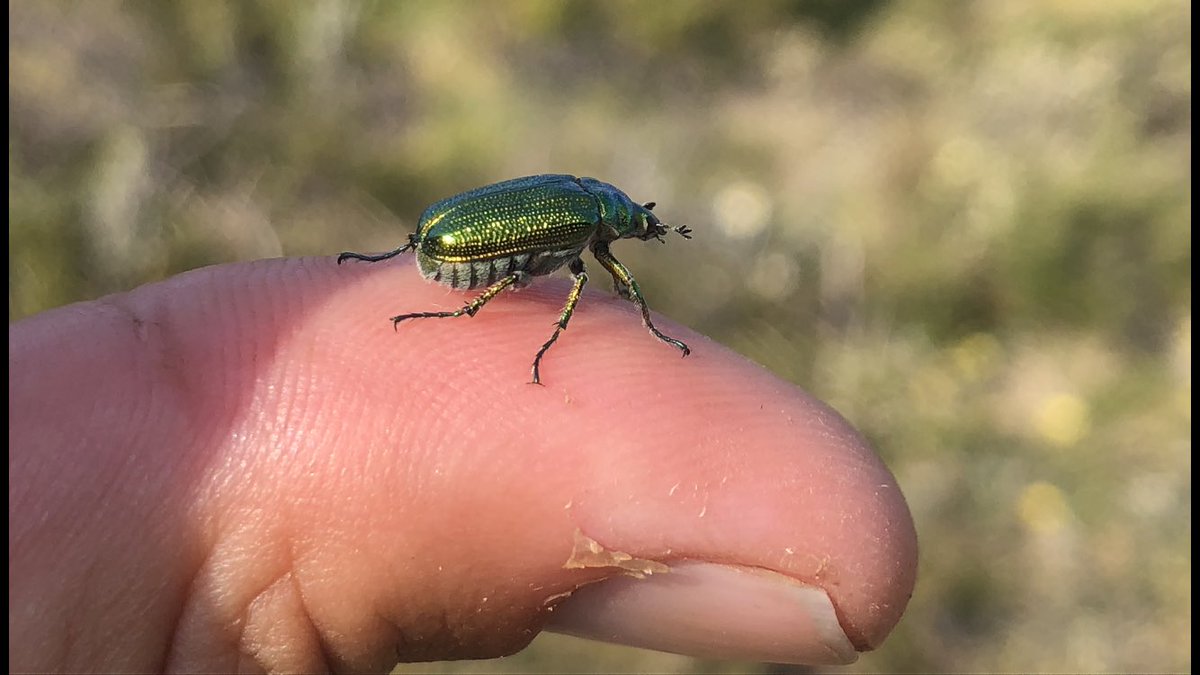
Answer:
(684, 231)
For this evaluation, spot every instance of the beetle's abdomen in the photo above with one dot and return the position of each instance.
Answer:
(465, 275)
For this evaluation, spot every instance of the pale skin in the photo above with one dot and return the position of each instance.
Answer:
(246, 468)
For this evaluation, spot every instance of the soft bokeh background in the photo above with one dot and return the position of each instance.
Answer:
(965, 224)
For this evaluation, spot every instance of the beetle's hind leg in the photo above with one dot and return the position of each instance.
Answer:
(350, 255)
(581, 278)
(518, 278)
(628, 288)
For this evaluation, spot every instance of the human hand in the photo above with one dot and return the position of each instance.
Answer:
(245, 467)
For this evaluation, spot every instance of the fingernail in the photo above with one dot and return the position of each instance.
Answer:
(710, 611)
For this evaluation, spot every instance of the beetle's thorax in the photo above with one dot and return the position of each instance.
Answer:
(620, 216)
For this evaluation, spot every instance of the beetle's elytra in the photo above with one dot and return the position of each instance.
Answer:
(505, 234)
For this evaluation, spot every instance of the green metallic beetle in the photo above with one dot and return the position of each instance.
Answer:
(505, 234)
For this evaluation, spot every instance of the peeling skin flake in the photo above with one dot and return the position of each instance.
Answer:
(589, 553)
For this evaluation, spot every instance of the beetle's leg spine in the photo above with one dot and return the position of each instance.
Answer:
(621, 275)
(581, 278)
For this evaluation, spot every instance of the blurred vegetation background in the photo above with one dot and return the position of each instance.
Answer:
(964, 224)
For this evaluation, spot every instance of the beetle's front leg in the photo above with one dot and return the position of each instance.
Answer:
(623, 279)
(518, 278)
(581, 278)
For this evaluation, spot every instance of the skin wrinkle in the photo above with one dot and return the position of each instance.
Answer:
(329, 641)
(262, 600)
(326, 657)
(326, 639)
(398, 639)
(227, 487)
(435, 635)
(157, 332)
(170, 656)
(174, 620)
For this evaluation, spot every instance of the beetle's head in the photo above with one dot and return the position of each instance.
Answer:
(648, 226)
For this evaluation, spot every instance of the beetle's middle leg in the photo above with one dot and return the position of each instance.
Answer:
(519, 278)
(581, 278)
(628, 288)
